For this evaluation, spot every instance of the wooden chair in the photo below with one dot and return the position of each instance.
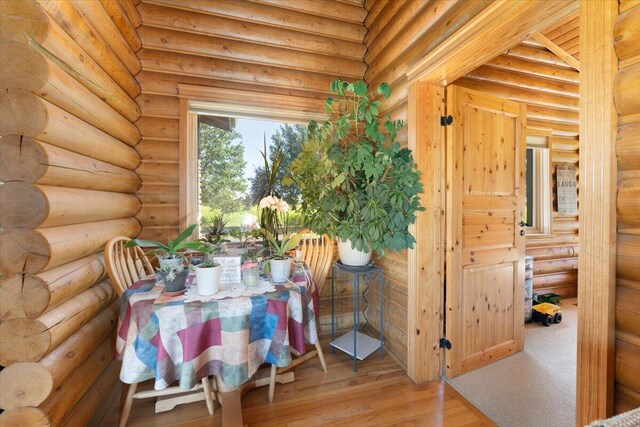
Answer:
(125, 266)
(317, 253)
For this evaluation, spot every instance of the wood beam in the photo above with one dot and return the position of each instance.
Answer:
(425, 278)
(504, 22)
(560, 52)
(598, 172)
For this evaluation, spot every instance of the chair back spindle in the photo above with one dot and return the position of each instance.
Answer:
(125, 265)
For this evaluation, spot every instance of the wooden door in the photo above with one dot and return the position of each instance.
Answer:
(485, 241)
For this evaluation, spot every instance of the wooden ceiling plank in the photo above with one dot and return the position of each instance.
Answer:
(562, 54)
(561, 22)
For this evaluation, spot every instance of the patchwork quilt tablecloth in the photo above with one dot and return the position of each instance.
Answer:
(167, 339)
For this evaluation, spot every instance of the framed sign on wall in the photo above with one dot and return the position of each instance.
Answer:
(566, 189)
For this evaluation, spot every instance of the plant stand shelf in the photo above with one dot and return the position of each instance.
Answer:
(354, 343)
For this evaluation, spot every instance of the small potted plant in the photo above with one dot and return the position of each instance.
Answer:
(171, 256)
(208, 277)
(279, 260)
(215, 230)
(357, 183)
(174, 278)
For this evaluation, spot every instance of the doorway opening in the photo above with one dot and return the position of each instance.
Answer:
(513, 382)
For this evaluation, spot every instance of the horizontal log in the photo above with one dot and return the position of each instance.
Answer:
(627, 364)
(627, 5)
(628, 203)
(628, 147)
(167, 17)
(519, 94)
(627, 303)
(561, 156)
(195, 66)
(120, 22)
(159, 128)
(158, 193)
(282, 19)
(164, 84)
(65, 397)
(213, 47)
(159, 233)
(380, 15)
(555, 279)
(564, 143)
(402, 57)
(27, 23)
(536, 54)
(24, 113)
(30, 206)
(43, 291)
(627, 256)
(539, 69)
(82, 32)
(92, 405)
(152, 149)
(30, 69)
(29, 340)
(555, 266)
(526, 81)
(156, 172)
(565, 291)
(410, 22)
(626, 90)
(563, 226)
(159, 106)
(627, 33)
(347, 12)
(159, 215)
(555, 115)
(553, 252)
(624, 398)
(31, 161)
(32, 251)
(31, 383)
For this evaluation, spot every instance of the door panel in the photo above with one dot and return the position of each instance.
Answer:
(485, 251)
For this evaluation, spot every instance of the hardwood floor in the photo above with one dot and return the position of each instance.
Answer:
(380, 393)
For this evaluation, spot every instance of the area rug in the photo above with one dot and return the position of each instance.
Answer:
(536, 387)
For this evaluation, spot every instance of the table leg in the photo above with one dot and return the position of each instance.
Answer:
(229, 398)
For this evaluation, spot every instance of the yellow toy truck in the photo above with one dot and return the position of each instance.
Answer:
(546, 313)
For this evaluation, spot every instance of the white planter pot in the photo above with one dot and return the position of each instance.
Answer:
(350, 256)
(280, 269)
(208, 280)
(170, 262)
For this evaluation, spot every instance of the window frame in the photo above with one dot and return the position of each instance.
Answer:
(540, 141)
(195, 100)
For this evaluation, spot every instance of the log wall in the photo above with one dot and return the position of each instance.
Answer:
(67, 165)
(271, 47)
(402, 32)
(627, 96)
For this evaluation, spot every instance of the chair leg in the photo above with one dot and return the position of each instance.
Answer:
(127, 405)
(208, 397)
(272, 382)
(321, 356)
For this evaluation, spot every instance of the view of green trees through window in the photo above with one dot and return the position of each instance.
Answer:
(231, 167)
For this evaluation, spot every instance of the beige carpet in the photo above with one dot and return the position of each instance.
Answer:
(536, 387)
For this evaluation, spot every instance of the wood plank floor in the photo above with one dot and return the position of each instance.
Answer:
(380, 393)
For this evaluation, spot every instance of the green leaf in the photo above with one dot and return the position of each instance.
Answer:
(384, 90)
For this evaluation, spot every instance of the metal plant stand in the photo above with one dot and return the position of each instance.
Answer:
(367, 274)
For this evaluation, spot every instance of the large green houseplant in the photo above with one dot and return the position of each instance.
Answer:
(356, 181)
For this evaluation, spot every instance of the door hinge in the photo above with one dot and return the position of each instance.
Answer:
(446, 120)
(445, 343)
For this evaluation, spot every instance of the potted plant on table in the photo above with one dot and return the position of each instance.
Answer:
(208, 277)
(357, 183)
(279, 260)
(171, 257)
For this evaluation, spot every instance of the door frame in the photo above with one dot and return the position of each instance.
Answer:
(500, 26)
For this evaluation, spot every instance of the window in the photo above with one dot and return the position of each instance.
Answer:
(538, 183)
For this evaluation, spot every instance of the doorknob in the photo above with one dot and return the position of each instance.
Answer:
(522, 233)
(523, 224)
